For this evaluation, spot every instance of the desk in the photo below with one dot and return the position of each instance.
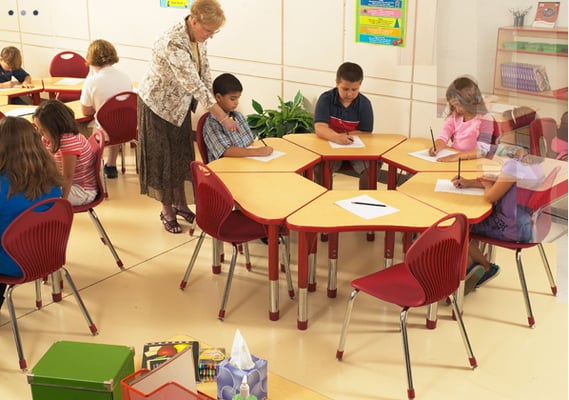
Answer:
(322, 215)
(375, 145)
(399, 157)
(56, 85)
(269, 198)
(20, 91)
(295, 159)
(74, 105)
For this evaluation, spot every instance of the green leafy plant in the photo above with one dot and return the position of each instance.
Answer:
(291, 117)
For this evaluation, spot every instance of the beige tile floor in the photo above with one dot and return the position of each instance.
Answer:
(143, 303)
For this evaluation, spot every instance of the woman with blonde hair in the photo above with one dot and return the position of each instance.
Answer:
(28, 174)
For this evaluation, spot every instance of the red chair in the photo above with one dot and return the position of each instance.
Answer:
(216, 216)
(68, 64)
(1, 115)
(538, 201)
(117, 116)
(97, 142)
(431, 272)
(542, 130)
(37, 241)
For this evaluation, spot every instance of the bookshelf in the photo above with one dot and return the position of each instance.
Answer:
(523, 51)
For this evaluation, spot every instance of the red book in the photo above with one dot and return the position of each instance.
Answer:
(546, 14)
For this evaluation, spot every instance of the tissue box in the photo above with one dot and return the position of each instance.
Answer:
(229, 379)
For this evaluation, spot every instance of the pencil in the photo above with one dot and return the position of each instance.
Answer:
(262, 141)
(433, 139)
(459, 167)
(362, 203)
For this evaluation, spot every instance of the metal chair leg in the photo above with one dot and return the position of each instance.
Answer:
(245, 247)
(347, 317)
(38, 293)
(15, 330)
(184, 281)
(531, 319)
(221, 314)
(547, 269)
(403, 326)
(56, 286)
(79, 300)
(216, 255)
(457, 312)
(105, 237)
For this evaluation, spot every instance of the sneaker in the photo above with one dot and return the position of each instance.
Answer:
(475, 273)
(471, 267)
(489, 275)
(111, 172)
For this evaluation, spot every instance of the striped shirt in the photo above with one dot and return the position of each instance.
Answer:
(78, 145)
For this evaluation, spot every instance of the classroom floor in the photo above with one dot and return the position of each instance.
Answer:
(143, 303)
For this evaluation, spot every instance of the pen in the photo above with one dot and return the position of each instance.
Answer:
(433, 139)
(262, 141)
(361, 203)
(458, 175)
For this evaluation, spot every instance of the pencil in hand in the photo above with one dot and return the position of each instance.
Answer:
(433, 139)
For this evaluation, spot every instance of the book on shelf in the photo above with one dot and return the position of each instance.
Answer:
(155, 354)
(521, 76)
(546, 14)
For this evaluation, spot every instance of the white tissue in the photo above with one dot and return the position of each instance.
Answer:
(240, 355)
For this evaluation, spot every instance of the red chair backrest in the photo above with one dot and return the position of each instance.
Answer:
(214, 201)
(545, 128)
(117, 116)
(199, 137)
(69, 64)
(37, 238)
(437, 258)
(1, 115)
(97, 142)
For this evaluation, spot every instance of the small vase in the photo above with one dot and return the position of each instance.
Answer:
(519, 20)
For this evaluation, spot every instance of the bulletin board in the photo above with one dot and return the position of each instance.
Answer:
(381, 22)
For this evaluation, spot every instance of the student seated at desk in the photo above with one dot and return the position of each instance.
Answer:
(559, 142)
(72, 152)
(28, 175)
(343, 111)
(11, 66)
(219, 141)
(509, 219)
(469, 125)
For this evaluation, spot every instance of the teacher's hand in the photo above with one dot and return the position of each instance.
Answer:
(231, 125)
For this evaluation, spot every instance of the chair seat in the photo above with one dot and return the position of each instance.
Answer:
(396, 285)
(238, 228)
(503, 243)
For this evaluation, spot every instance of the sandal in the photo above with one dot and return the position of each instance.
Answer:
(187, 215)
(170, 226)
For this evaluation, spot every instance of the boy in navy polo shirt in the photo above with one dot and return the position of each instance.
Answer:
(344, 111)
(11, 66)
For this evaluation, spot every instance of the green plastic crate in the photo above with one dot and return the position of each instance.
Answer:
(533, 46)
(554, 48)
(515, 45)
(81, 371)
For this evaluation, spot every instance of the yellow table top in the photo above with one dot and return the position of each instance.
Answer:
(295, 159)
(20, 91)
(74, 105)
(422, 187)
(323, 215)
(399, 156)
(375, 145)
(270, 197)
(57, 84)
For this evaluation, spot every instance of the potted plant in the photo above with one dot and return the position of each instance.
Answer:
(291, 117)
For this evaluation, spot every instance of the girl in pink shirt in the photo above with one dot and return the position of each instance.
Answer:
(469, 127)
(72, 152)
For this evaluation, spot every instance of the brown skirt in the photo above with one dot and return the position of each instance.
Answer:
(164, 153)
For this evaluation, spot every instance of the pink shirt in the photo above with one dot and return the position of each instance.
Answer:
(466, 136)
(560, 147)
(84, 174)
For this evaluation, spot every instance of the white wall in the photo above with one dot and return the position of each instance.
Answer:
(277, 47)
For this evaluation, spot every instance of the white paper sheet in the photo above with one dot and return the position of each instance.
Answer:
(445, 185)
(272, 156)
(424, 154)
(69, 81)
(20, 111)
(366, 211)
(357, 143)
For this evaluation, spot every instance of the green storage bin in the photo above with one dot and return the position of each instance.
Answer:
(81, 371)
(517, 45)
(533, 46)
(554, 48)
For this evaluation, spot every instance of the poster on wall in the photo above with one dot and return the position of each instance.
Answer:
(175, 3)
(381, 22)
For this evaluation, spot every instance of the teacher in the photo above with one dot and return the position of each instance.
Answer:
(177, 79)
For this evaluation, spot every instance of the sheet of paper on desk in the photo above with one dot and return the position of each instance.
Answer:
(355, 144)
(445, 185)
(70, 81)
(424, 154)
(272, 156)
(20, 111)
(366, 211)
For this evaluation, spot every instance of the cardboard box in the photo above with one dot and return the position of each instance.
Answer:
(229, 379)
(86, 371)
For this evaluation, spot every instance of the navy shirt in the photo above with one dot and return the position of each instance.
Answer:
(6, 76)
(357, 116)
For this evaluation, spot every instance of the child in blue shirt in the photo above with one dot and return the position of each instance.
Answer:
(11, 66)
(219, 141)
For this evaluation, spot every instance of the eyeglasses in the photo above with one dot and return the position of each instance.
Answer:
(208, 31)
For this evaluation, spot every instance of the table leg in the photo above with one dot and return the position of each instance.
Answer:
(388, 248)
(36, 99)
(304, 240)
(312, 247)
(273, 236)
(391, 177)
(372, 185)
(332, 264)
